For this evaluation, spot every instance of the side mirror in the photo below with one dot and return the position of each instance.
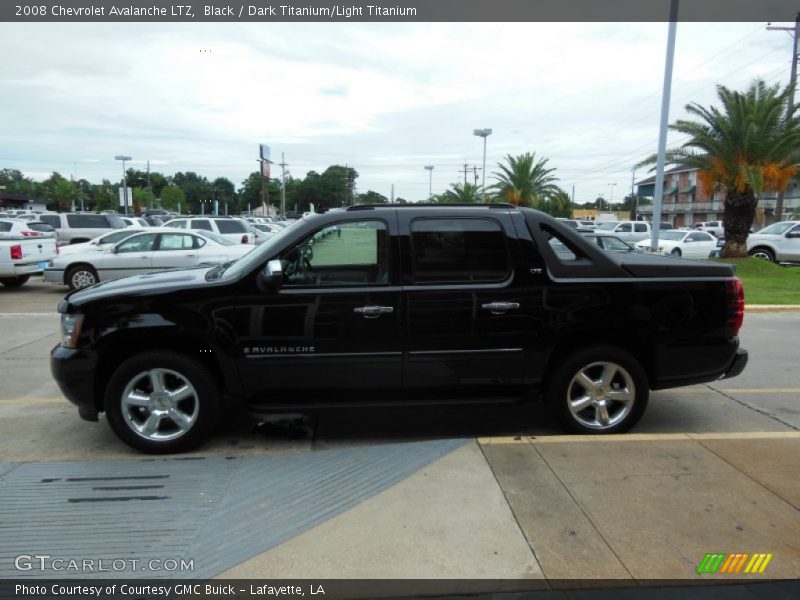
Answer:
(271, 278)
(793, 234)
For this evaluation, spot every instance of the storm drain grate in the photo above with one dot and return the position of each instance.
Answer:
(216, 512)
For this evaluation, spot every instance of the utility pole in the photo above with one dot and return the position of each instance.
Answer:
(466, 169)
(793, 82)
(633, 193)
(662, 130)
(391, 199)
(283, 165)
(149, 186)
(475, 174)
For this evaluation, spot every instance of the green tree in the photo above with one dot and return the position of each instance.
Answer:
(557, 204)
(370, 197)
(748, 145)
(104, 196)
(173, 198)
(461, 193)
(142, 200)
(524, 180)
(196, 189)
(59, 191)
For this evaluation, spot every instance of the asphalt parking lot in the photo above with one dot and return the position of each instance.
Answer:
(481, 492)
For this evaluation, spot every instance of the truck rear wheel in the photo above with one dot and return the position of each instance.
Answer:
(162, 402)
(598, 390)
(14, 281)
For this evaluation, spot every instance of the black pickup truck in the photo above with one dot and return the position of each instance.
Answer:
(399, 304)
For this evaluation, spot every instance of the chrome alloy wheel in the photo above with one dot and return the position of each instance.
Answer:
(83, 278)
(160, 405)
(601, 395)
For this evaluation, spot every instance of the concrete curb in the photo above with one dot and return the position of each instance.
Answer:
(770, 308)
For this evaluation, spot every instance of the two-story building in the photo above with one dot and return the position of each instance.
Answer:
(685, 203)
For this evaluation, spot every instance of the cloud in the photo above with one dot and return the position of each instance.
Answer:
(384, 98)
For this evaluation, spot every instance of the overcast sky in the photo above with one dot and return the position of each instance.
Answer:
(386, 99)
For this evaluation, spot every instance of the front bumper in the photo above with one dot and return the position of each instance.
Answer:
(738, 364)
(53, 275)
(74, 372)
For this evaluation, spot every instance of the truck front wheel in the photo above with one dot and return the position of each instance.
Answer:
(162, 402)
(602, 389)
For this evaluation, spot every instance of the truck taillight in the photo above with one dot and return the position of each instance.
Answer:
(57, 250)
(244, 239)
(735, 295)
(16, 252)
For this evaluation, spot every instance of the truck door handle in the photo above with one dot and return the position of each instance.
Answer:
(499, 308)
(373, 312)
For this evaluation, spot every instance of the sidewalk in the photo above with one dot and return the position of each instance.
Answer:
(561, 509)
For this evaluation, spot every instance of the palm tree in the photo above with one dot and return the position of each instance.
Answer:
(525, 181)
(462, 194)
(748, 146)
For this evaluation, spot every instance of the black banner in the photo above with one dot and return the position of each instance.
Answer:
(397, 11)
(354, 589)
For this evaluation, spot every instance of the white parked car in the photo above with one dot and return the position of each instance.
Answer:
(630, 231)
(145, 252)
(17, 228)
(689, 244)
(715, 228)
(779, 242)
(101, 242)
(137, 222)
(233, 228)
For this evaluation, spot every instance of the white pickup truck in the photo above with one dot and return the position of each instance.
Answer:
(20, 257)
(630, 231)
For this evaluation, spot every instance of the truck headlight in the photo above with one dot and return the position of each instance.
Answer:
(70, 329)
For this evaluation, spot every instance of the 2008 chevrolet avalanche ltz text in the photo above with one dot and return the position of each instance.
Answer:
(401, 304)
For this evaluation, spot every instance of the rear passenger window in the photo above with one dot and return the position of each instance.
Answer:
(201, 224)
(230, 226)
(52, 220)
(458, 250)
(87, 221)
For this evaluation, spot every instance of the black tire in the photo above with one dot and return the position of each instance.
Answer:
(676, 252)
(14, 281)
(199, 413)
(763, 254)
(80, 276)
(564, 389)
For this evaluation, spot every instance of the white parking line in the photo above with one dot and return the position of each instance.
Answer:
(32, 401)
(641, 437)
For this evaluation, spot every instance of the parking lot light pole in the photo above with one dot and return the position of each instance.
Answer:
(124, 180)
(429, 168)
(484, 133)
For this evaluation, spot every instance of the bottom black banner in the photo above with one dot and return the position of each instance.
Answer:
(357, 589)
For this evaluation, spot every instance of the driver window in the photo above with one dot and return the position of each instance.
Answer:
(351, 253)
(139, 243)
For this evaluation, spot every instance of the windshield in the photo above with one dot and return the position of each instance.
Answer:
(607, 226)
(777, 228)
(215, 237)
(254, 257)
(614, 244)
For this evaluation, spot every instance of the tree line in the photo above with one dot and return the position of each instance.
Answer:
(523, 180)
